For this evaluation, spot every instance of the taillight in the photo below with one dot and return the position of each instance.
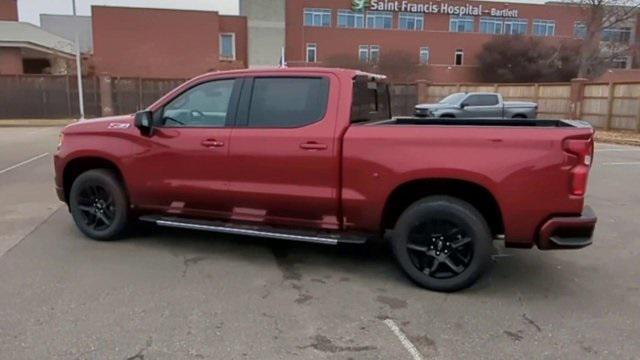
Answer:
(583, 150)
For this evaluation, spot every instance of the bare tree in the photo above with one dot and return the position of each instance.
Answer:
(527, 59)
(601, 15)
(398, 66)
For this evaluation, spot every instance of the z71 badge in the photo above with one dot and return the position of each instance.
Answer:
(119, 126)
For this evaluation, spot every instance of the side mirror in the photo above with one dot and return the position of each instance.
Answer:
(463, 105)
(144, 122)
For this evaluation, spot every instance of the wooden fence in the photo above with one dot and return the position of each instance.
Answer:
(132, 94)
(51, 96)
(46, 96)
(612, 107)
(604, 105)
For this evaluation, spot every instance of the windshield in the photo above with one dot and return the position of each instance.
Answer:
(453, 98)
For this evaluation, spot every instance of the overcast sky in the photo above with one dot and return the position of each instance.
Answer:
(30, 10)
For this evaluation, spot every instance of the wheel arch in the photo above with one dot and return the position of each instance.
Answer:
(519, 116)
(79, 165)
(477, 195)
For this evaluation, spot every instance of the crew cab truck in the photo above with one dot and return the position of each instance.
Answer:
(313, 154)
(478, 105)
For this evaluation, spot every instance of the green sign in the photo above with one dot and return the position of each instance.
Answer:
(359, 5)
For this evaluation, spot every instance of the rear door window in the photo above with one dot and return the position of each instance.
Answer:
(482, 100)
(287, 102)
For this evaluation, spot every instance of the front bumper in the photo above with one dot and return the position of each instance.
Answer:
(568, 232)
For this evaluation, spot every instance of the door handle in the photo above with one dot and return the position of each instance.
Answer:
(212, 143)
(312, 145)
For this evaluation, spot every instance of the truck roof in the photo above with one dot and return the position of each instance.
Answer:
(347, 72)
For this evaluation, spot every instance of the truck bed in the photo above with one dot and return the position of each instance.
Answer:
(480, 122)
(522, 163)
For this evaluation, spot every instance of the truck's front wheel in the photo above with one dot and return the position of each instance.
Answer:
(99, 205)
(442, 243)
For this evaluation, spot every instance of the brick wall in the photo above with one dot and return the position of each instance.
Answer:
(157, 43)
(9, 10)
(10, 61)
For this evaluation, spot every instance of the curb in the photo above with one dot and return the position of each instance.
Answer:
(35, 122)
(632, 142)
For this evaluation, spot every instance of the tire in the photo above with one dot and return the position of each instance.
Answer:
(442, 243)
(519, 116)
(99, 205)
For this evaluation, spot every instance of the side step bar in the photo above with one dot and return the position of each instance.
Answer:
(258, 231)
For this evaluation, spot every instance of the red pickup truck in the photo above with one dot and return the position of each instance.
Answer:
(313, 154)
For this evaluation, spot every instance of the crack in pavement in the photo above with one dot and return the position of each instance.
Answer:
(531, 322)
(188, 262)
(46, 219)
(140, 354)
(324, 344)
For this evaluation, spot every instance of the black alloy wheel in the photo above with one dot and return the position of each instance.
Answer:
(442, 243)
(99, 205)
(440, 249)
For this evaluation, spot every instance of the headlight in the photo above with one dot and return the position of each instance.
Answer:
(60, 138)
(425, 112)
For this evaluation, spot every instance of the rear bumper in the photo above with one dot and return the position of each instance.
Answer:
(568, 232)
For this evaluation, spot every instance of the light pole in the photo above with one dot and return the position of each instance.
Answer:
(78, 65)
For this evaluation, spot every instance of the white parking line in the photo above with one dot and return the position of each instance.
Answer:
(23, 163)
(622, 163)
(403, 339)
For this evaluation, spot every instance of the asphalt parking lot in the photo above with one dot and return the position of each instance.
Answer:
(170, 294)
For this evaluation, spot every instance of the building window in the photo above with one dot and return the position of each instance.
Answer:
(369, 54)
(317, 17)
(544, 27)
(374, 54)
(619, 63)
(580, 30)
(617, 35)
(491, 25)
(424, 55)
(379, 20)
(363, 53)
(350, 19)
(495, 25)
(312, 52)
(228, 46)
(515, 26)
(461, 24)
(459, 59)
(411, 21)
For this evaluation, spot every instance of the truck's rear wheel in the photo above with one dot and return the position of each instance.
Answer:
(442, 243)
(99, 205)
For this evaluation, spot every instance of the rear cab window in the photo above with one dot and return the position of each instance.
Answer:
(371, 100)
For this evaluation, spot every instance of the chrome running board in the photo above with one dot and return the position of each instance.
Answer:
(257, 231)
